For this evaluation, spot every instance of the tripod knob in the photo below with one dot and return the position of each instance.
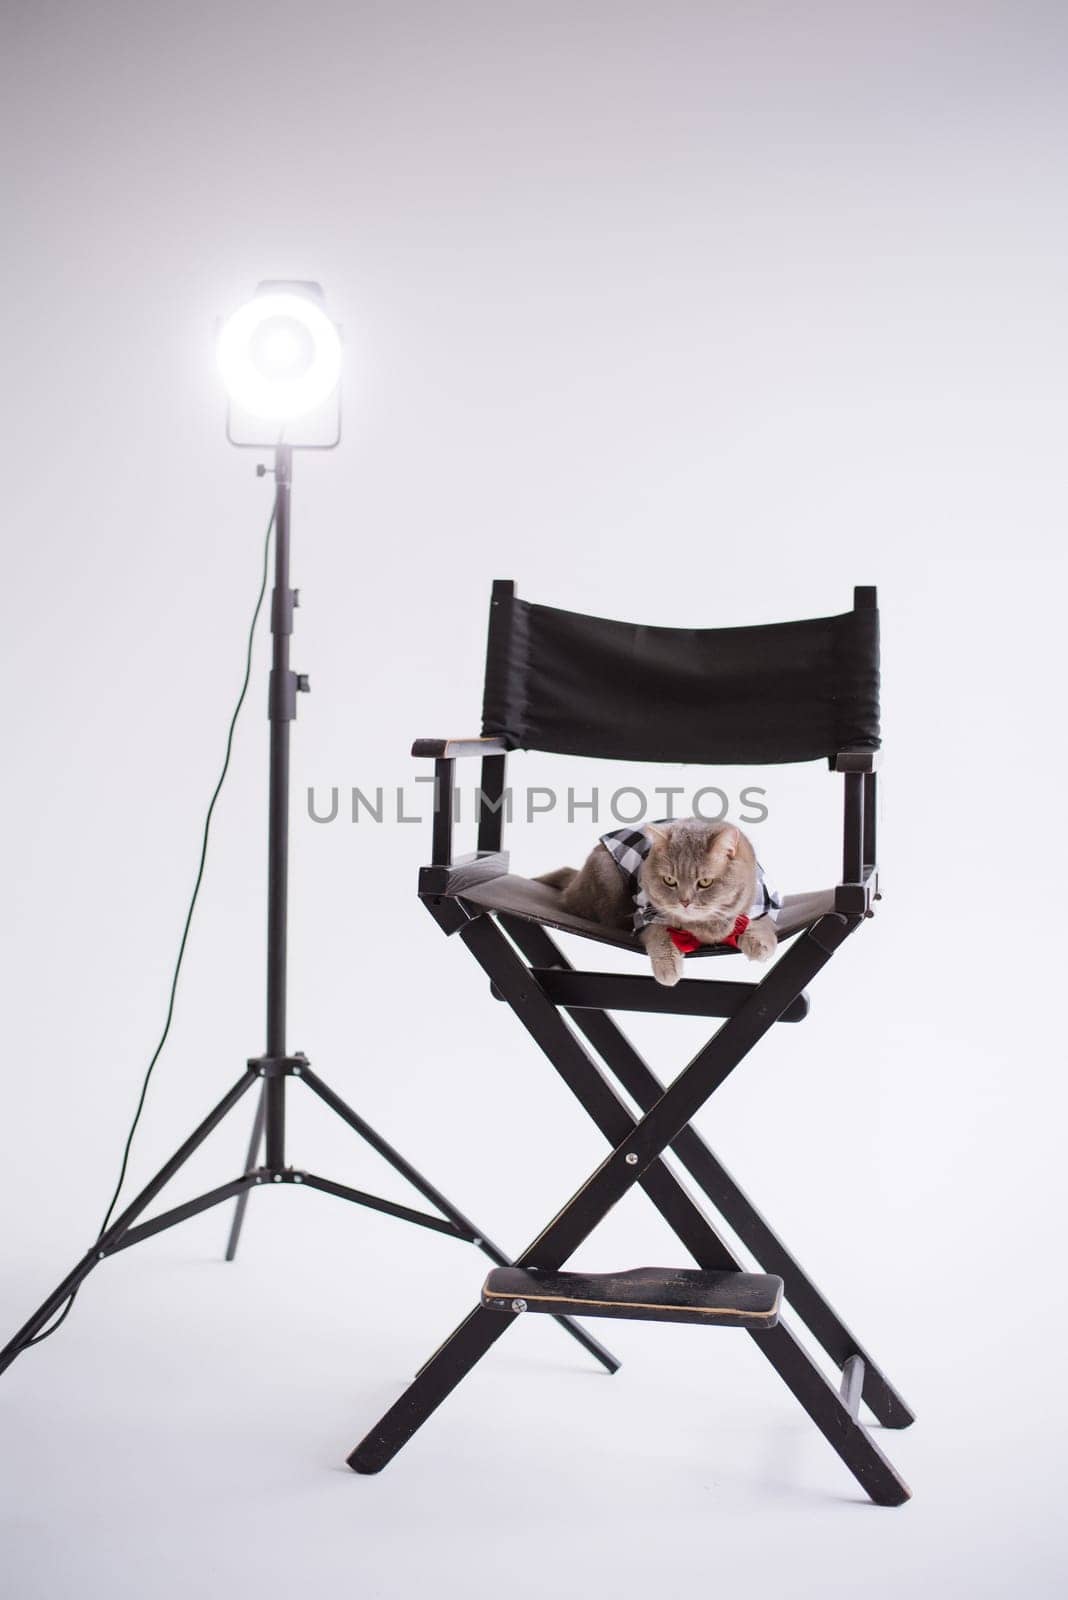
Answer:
(303, 683)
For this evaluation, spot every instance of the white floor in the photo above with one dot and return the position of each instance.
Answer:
(186, 1433)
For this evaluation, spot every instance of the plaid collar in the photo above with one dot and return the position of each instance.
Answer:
(629, 847)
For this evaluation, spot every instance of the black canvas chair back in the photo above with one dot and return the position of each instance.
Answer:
(586, 686)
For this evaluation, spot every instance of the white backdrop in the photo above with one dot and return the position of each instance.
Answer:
(694, 313)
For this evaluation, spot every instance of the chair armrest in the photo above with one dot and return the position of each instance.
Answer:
(447, 749)
(857, 761)
(859, 884)
(442, 752)
(854, 899)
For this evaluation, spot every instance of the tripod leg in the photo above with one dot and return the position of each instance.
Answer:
(251, 1162)
(45, 1312)
(446, 1207)
(112, 1238)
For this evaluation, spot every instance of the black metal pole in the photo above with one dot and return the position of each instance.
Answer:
(282, 708)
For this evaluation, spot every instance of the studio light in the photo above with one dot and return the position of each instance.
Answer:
(280, 359)
(279, 355)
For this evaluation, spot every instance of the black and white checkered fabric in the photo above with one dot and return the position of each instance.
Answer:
(629, 847)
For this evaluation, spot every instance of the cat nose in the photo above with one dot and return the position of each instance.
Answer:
(684, 902)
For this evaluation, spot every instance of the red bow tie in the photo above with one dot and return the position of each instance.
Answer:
(685, 942)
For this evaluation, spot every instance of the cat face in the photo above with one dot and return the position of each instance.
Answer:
(696, 869)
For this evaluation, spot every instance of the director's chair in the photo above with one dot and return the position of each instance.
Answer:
(578, 685)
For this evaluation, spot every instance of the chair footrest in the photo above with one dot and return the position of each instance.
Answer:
(654, 1294)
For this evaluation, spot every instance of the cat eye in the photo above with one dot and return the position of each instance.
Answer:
(705, 883)
(671, 882)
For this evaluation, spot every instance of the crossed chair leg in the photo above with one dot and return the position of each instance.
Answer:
(638, 1146)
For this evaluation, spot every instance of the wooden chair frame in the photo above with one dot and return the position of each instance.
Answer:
(566, 1012)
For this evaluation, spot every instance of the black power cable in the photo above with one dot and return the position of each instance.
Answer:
(46, 1333)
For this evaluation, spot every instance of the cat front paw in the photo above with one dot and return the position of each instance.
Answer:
(759, 941)
(667, 968)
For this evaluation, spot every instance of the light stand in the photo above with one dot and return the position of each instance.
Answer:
(275, 1066)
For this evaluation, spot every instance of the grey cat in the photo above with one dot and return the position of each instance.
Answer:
(698, 877)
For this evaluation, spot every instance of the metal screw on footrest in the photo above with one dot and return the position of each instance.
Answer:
(519, 1305)
(631, 1159)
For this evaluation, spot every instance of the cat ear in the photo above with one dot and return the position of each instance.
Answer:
(657, 835)
(726, 842)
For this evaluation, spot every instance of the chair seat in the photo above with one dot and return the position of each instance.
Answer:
(649, 1294)
(537, 902)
